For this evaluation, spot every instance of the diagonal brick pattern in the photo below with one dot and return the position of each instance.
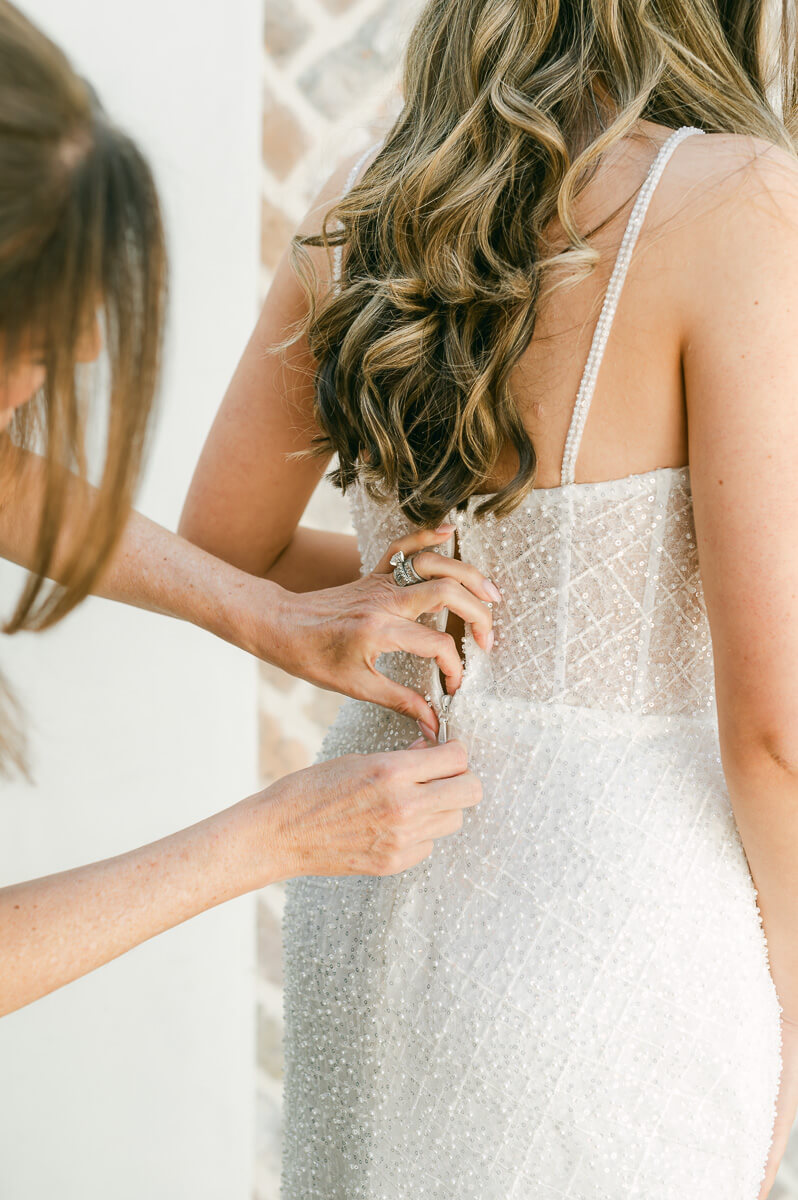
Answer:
(329, 88)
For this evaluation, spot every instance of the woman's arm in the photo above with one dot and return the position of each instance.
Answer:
(151, 568)
(740, 356)
(314, 559)
(332, 637)
(248, 495)
(359, 815)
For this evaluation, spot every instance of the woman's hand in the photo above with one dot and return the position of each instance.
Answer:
(333, 637)
(786, 1105)
(373, 814)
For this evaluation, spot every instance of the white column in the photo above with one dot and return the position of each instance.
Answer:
(137, 1081)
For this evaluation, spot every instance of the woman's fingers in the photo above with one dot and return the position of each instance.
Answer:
(430, 565)
(442, 593)
(452, 796)
(373, 814)
(420, 539)
(430, 643)
(448, 761)
(401, 699)
(424, 642)
(437, 566)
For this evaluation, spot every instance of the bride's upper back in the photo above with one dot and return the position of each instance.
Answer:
(636, 409)
(603, 598)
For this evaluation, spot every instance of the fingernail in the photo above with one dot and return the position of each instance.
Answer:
(444, 529)
(427, 730)
(490, 639)
(493, 591)
(417, 744)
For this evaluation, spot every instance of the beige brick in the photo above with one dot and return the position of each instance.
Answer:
(279, 754)
(268, 1144)
(270, 1050)
(321, 707)
(276, 678)
(270, 944)
(284, 29)
(338, 6)
(284, 139)
(275, 234)
(336, 82)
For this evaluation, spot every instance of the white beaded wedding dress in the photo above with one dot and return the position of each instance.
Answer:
(571, 996)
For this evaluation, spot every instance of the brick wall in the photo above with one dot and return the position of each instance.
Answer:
(330, 88)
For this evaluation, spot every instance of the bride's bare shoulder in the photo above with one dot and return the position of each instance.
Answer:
(730, 220)
(721, 179)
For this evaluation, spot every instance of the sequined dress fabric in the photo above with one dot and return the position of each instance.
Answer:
(571, 996)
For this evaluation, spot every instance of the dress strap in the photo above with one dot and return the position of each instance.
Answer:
(601, 333)
(350, 180)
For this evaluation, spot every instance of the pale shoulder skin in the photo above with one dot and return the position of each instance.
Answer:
(721, 298)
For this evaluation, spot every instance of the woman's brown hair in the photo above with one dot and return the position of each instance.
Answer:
(508, 107)
(81, 238)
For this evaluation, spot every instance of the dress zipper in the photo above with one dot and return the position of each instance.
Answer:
(442, 710)
(441, 701)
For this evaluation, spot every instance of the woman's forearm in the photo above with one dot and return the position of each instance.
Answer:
(360, 814)
(764, 796)
(57, 928)
(314, 560)
(151, 567)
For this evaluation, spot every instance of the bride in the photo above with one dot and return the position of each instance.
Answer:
(558, 328)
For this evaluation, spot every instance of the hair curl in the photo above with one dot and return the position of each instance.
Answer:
(509, 105)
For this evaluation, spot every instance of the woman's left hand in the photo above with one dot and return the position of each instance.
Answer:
(334, 637)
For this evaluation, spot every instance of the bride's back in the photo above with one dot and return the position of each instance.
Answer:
(638, 418)
(638, 413)
(580, 977)
(604, 602)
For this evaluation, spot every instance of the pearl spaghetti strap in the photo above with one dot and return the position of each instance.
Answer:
(602, 330)
(351, 177)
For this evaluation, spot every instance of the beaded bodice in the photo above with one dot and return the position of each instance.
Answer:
(602, 598)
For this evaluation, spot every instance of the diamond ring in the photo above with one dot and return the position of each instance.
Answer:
(404, 572)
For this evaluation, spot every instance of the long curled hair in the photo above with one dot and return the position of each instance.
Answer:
(508, 107)
(81, 241)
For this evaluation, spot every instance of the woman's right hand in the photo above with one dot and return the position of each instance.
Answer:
(372, 814)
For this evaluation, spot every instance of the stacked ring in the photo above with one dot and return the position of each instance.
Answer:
(404, 572)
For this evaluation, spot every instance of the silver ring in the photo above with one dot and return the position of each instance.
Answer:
(404, 573)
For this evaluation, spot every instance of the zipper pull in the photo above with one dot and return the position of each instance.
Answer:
(443, 717)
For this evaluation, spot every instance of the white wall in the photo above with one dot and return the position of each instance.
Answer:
(137, 1080)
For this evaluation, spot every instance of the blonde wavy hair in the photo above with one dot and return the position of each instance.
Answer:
(508, 107)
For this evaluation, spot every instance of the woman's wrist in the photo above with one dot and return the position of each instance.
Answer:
(256, 829)
(249, 613)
